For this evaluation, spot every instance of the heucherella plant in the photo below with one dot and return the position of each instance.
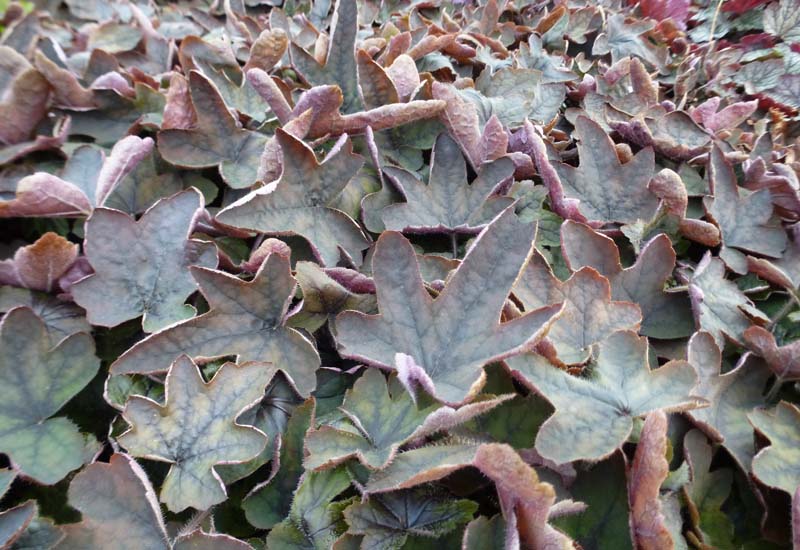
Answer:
(341, 274)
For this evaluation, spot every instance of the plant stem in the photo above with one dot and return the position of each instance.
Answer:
(454, 244)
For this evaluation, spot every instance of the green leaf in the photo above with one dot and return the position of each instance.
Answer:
(719, 306)
(589, 314)
(159, 241)
(380, 417)
(61, 318)
(516, 94)
(484, 533)
(314, 521)
(298, 203)
(665, 314)
(216, 140)
(451, 356)
(604, 523)
(447, 203)
(782, 19)
(595, 413)
(196, 429)
(778, 465)
(36, 380)
(422, 465)
(247, 319)
(707, 493)
(269, 502)
(271, 416)
(746, 223)
(607, 190)
(325, 296)
(340, 63)
(622, 39)
(117, 503)
(731, 397)
(387, 520)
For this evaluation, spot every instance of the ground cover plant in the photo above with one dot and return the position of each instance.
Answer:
(391, 274)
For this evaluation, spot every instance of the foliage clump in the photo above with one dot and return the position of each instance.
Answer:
(396, 274)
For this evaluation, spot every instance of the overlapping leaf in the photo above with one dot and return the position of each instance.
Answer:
(217, 139)
(596, 412)
(449, 343)
(247, 319)
(299, 202)
(196, 429)
(37, 380)
(777, 464)
(446, 203)
(158, 241)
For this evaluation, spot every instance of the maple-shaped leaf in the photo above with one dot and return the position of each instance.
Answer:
(731, 397)
(217, 139)
(247, 319)
(665, 314)
(60, 318)
(314, 520)
(649, 470)
(36, 380)
(382, 417)
(328, 292)
(728, 118)
(159, 244)
(589, 314)
(269, 502)
(746, 223)
(441, 335)
(117, 503)
(38, 266)
(784, 360)
(196, 429)
(719, 306)
(622, 39)
(526, 501)
(340, 62)
(707, 492)
(447, 203)
(387, 520)
(88, 179)
(299, 202)
(778, 465)
(595, 413)
(606, 190)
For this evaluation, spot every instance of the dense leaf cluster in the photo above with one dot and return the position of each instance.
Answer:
(392, 274)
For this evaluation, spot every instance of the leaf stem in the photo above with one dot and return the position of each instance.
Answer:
(454, 244)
